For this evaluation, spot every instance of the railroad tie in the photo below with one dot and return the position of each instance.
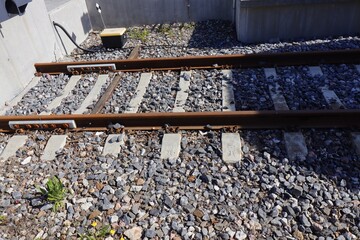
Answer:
(228, 100)
(170, 147)
(315, 71)
(356, 141)
(54, 144)
(17, 99)
(275, 92)
(182, 94)
(295, 145)
(332, 99)
(68, 88)
(335, 103)
(357, 68)
(270, 73)
(93, 95)
(12, 146)
(231, 147)
(113, 144)
(140, 91)
(294, 141)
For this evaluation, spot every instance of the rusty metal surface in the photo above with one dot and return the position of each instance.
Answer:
(225, 61)
(114, 83)
(198, 120)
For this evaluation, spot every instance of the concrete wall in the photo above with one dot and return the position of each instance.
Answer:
(127, 13)
(268, 20)
(24, 40)
(31, 38)
(73, 16)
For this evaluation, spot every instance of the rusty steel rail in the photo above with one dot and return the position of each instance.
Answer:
(208, 62)
(199, 120)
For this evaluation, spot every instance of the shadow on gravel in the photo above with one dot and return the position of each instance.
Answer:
(332, 156)
(218, 34)
(332, 162)
(213, 34)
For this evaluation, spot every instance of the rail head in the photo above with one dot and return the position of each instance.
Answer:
(201, 120)
(208, 62)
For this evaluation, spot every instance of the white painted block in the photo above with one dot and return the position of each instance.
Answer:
(93, 94)
(113, 144)
(270, 72)
(17, 99)
(315, 71)
(295, 145)
(66, 91)
(140, 91)
(54, 144)
(182, 95)
(332, 99)
(278, 98)
(228, 100)
(356, 141)
(170, 147)
(231, 147)
(12, 146)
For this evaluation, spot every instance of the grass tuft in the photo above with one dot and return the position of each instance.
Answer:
(54, 192)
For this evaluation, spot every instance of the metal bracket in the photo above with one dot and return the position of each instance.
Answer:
(42, 124)
(92, 67)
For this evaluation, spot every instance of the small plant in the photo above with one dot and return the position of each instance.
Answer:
(101, 233)
(54, 192)
(188, 25)
(140, 34)
(3, 220)
(165, 29)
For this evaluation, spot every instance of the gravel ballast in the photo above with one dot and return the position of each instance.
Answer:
(196, 196)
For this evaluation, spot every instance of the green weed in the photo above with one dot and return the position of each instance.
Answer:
(165, 29)
(3, 220)
(140, 34)
(54, 192)
(103, 232)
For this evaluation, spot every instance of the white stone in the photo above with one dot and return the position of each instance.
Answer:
(315, 71)
(356, 141)
(57, 101)
(270, 72)
(86, 206)
(278, 98)
(113, 147)
(182, 95)
(134, 233)
(240, 235)
(295, 145)
(228, 100)
(26, 161)
(357, 68)
(93, 94)
(231, 147)
(114, 219)
(170, 147)
(12, 146)
(331, 98)
(140, 91)
(54, 144)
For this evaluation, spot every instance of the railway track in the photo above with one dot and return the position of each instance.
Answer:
(104, 128)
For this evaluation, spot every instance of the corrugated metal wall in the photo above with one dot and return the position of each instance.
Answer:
(125, 13)
(264, 20)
